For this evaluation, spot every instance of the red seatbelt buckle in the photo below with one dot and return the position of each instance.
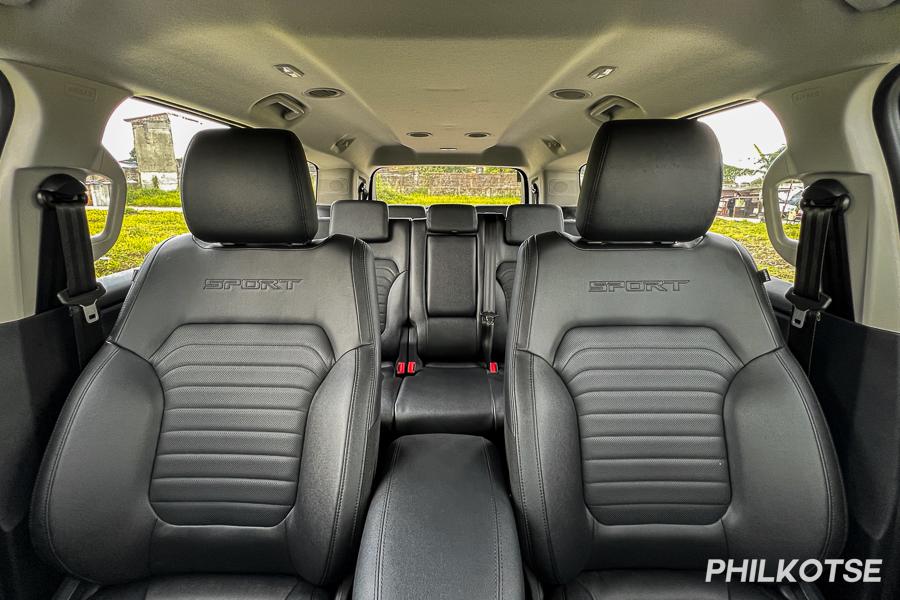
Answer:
(401, 368)
(492, 367)
(411, 367)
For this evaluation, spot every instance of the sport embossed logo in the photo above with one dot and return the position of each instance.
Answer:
(640, 285)
(259, 285)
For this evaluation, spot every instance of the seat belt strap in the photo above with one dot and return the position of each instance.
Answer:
(823, 205)
(488, 314)
(67, 197)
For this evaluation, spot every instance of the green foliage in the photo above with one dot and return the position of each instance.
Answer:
(152, 197)
(418, 197)
(730, 173)
(143, 229)
(755, 239)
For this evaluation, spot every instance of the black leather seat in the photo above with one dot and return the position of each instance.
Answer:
(389, 241)
(229, 424)
(452, 392)
(655, 418)
(406, 211)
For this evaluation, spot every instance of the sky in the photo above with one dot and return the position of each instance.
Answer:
(119, 140)
(740, 127)
(737, 129)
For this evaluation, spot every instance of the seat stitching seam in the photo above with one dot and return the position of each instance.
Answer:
(540, 470)
(387, 503)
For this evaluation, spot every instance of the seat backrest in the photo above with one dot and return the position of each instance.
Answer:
(389, 241)
(654, 417)
(522, 221)
(406, 211)
(444, 290)
(229, 423)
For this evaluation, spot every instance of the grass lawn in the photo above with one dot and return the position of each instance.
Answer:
(151, 197)
(141, 230)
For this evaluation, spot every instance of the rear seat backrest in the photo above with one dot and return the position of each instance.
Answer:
(406, 211)
(389, 241)
(444, 295)
(522, 222)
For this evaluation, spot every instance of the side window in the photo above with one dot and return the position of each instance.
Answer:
(149, 141)
(751, 139)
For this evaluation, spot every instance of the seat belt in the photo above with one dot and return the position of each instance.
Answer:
(488, 314)
(823, 204)
(66, 197)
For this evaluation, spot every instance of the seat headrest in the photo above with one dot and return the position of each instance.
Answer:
(248, 186)
(451, 218)
(526, 220)
(406, 211)
(651, 180)
(363, 219)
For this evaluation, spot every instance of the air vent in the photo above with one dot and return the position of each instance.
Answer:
(322, 93)
(478, 134)
(570, 94)
(419, 134)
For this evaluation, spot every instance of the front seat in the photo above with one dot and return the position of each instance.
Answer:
(655, 418)
(222, 442)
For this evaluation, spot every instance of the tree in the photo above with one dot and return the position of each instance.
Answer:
(730, 173)
(764, 161)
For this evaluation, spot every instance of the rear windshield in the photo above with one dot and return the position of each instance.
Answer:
(427, 185)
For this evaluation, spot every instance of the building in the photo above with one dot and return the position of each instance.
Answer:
(155, 147)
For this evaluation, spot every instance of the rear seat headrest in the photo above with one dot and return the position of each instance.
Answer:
(526, 220)
(652, 180)
(451, 218)
(248, 186)
(363, 219)
(406, 211)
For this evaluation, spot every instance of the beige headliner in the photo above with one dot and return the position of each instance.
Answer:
(449, 66)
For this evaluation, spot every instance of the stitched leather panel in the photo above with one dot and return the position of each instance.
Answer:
(386, 272)
(236, 401)
(506, 276)
(649, 402)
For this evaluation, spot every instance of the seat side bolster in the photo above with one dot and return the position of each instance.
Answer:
(783, 465)
(100, 460)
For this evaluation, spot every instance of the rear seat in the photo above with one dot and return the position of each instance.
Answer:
(389, 241)
(406, 211)
(324, 212)
(431, 293)
(451, 391)
(454, 391)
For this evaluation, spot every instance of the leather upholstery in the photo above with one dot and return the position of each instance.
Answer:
(214, 587)
(526, 220)
(248, 186)
(406, 211)
(229, 424)
(654, 417)
(650, 180)
(369, 219)
(450, 398)
(659, 585)
(451, 218)
(366, 220)
(440, 524)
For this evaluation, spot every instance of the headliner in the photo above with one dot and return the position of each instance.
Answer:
(448, 67)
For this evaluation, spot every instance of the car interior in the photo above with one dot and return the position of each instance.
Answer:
(577, 300)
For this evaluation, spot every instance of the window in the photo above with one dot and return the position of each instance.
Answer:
(448, 185)
(751, 139)
(149, 141)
